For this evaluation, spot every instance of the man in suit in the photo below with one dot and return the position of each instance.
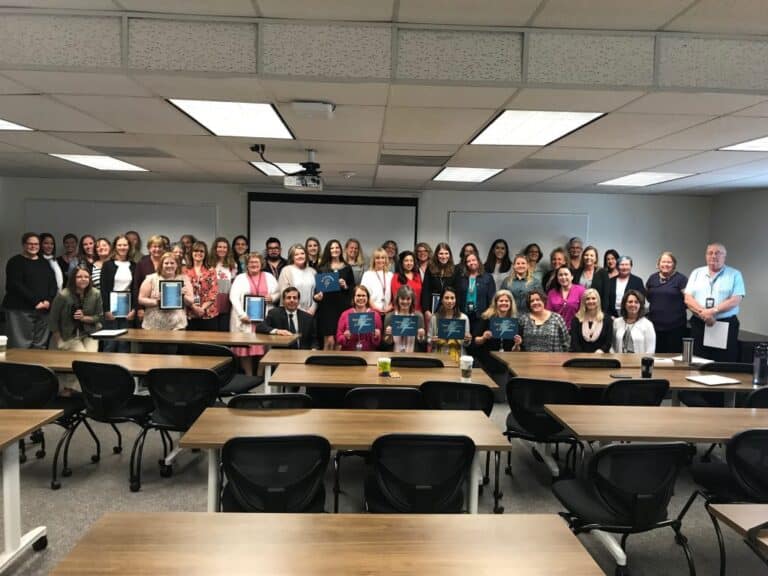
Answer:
(288, 319)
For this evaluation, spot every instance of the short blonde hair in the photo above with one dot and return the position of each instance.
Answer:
(379, 252)
(583, 308)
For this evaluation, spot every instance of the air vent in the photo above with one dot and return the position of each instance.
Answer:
(131, 151)
(546, 164)
(406, 160)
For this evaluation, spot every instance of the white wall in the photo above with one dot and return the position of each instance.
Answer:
(738, 221)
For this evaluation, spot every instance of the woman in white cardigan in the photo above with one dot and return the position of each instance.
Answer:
(632, 331)
(255, 282)
(300, 275)
(378, 280)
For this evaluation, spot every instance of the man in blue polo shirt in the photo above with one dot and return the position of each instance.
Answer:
(713, 294)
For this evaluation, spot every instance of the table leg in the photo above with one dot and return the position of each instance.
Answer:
(15, 542)
(213, 480)
(730, 399)
(267, 377)
(473, 487)
(674, 399)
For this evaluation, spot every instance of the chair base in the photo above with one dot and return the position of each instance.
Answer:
(36, 539)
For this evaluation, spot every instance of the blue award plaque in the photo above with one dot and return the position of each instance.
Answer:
(404, 325)
(120, 304)
(254, 307)
(451, 328)
(170, 295)
(504, 328)
(327, 282)
(361, 323)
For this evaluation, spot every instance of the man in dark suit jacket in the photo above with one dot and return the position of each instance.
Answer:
(278, 321)
(633, 283)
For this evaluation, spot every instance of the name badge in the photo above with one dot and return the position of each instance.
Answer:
(709, 302)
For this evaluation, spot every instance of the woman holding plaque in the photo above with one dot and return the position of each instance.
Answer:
(255, 281)
(441, 274)
(591, 331)
(116, 283)
(164, 305)
(338, 276)
(240, 251)
(312, 250)
(353, 256)
(542, 330)
(402, 320)
(448, 310)
(520, 282)
(147, 265)
(203, 314)
(497, 330)
(566, 297)
(223, 264)
(378, 281)
(350, 337)
(407, 275)
(299, 274)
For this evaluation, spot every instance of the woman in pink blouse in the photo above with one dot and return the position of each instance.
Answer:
(203, 314)
(345, 340)
(565, 297)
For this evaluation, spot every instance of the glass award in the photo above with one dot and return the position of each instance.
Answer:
(451, 328)
(120, 304)
(327, 282)
(504, 328)
(254, 307)
(170, 295)
(403, 325)
(361, 323)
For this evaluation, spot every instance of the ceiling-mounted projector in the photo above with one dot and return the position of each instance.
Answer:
(307, 180)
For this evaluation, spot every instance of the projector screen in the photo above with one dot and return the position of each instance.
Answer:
(294, 217)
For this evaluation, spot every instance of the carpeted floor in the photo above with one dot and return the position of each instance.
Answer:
(94, 489)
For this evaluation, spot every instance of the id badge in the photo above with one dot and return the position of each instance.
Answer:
(709, 302)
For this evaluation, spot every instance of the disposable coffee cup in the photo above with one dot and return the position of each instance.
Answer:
(384, 365)
(3, 343)
(465, 365)
(687, 350)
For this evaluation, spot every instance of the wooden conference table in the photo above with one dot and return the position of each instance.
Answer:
(742, 518)
(137, 364)
(15, 424)
(344, 429)
(657, 423)
(139, 336)
(278, 356)
(520, 361)
(199, 544)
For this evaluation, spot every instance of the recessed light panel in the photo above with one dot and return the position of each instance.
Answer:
(644, 179)
(759, 145)
(532, 127)
(286, 167)
(5, 125)
(100, 162)
(239, 119)
(456, 174)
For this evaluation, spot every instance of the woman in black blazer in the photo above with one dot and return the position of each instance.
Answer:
(620, 284)
(117, 275)
(589, 275)
(441, 273)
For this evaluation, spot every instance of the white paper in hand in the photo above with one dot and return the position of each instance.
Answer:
(716, 336)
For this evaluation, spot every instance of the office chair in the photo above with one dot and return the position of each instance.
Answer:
(231, 381)
(329, 397)
(416, 362)
(592, 363)
(636, 392)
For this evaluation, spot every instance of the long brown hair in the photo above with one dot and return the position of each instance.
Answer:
(437, 269)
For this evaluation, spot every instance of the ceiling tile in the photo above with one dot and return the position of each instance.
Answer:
(491, 156)
(448, 96)
(357, 93)
(619, 130)
(349, 124)
(63, 4)
(357, 10)
(708, 103)
(635, 160)
(164, 165)
(226, 88)
(362, 178)
(724, 17)
(328, 152)
(43, 113)
(410, 173)
(8, 86)
(191, 148)
(514, 176)
(572, 100)
(8, 149)
(57, 82)
(611, 14)
(433, 125)
(563, 153)
(710, 161)
(468, 12)
(757, 110)
(717, 133)
(217, 8)
(42, 142)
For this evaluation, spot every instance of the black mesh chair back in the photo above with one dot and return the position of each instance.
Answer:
(27, 385)
(336, 360)
(739, 367)
(636, 481)
(106, 387)
(526, 398)
(636, 392)
(180, 395)
(275, 474)
(592, 363)
(418, 473)
(225, 372)
(416, 362)
(747, 457)
(270, 401)
(457, 396)
(757, 398)
(394, 398)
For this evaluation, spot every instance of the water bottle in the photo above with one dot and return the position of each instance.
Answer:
(760, 365)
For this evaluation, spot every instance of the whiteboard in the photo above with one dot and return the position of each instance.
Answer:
(547, 229)
(107, 218)
(293, 218)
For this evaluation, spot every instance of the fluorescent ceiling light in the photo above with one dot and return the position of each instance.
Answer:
(243, 119)
(758, 145)
(643, 179)
(532, 127)
(100, 162)
(455, 174)
(5, 125)
(269, 170)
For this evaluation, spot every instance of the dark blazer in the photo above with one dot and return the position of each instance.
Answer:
(635, 283)
(485, 288)
(435, 285)
(277, 318)
(108, 271)
(600, 282)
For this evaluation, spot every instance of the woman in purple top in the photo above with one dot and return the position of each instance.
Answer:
(664, 291)
(565, 297)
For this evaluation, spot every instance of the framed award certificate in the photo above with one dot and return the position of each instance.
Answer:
(361, 323)
(170, 294)
(120, 304)
(254, 307)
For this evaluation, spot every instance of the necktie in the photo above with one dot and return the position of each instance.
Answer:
(291, 324)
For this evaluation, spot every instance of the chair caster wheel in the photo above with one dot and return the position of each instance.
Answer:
(40, 544)
(36, 437)
(166, 471)
(486, 480)
(55, 485)
(537, 455)
(135, 486)
(22, 458)
(498, 510)
(508, 471)
(621, 571)
(95, 458)
(117, 449)
(66, 472)
(40, 454)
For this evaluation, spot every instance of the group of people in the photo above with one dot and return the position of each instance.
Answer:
(575, 304)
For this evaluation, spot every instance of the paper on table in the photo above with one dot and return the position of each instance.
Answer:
(716, 336)
(694, 360)
(712, 379)
(664, 361)
(108, 333)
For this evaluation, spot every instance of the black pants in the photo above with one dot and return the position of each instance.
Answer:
(203, 324)
(670, 340)
(731, 352)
